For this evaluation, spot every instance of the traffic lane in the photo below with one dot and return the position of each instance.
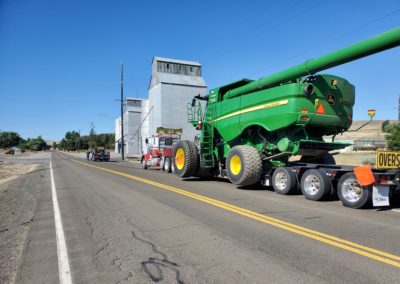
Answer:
(275, 243)
(131, 235)
(372, 227)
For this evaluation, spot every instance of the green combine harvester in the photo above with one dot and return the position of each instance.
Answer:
(250, 129)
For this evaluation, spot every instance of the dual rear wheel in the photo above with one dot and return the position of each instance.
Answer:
(167, 165)
(352, 194)
(314, 184)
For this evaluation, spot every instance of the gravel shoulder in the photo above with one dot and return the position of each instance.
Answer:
(21, 182)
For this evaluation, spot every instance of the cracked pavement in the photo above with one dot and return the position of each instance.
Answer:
(122, 231)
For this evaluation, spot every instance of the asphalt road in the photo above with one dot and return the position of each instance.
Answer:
(123, 224)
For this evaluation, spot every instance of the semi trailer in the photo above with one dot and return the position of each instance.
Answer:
(250, 129)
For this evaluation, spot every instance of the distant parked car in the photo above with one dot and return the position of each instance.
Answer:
(100, 155)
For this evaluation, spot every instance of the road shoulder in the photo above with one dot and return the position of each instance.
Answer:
(18, 198)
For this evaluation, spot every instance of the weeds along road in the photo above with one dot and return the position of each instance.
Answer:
(123, 224)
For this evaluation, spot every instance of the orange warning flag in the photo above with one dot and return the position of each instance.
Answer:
(364, 175)
(321, 109)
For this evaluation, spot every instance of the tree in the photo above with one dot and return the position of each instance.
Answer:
(9, 139)
(393, 136)
(385, 124)
(35, 144)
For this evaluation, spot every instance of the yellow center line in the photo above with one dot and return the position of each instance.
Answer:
(371, 253)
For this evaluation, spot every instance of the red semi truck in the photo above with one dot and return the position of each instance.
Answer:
(159, 149)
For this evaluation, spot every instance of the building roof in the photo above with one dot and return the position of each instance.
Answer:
(175, 79)
(186, 62)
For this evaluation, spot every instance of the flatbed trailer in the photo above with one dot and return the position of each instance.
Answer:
(321, 182)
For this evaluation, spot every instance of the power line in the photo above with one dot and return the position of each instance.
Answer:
(281, 62)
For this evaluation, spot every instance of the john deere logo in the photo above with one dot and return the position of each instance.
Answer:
(331, 99)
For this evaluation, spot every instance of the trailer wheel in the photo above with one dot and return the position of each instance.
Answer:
(184, 160)
(244, 165)
(315, 185)
(167, 165)
(284, 181)
(352, 194)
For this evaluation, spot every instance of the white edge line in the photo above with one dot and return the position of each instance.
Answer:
(396, 210)
(63, 262)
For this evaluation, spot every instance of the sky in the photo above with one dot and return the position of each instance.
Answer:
(60, 60)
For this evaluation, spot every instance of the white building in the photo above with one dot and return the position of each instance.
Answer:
(172, 86)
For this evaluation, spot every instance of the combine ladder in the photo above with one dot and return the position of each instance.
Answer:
(207, 140)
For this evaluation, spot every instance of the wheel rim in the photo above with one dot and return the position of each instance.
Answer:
(235, 165)
(166, 164)
(180, 158)
(281, 181)
(351, 190)
(312, 184)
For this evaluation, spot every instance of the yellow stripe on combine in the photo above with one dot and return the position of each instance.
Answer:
(250, 109)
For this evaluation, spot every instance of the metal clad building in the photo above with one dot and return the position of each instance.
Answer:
(132, 119)
(173, 84)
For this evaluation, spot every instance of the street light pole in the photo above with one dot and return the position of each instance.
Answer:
(122, 112)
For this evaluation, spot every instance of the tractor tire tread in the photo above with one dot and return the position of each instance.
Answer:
(252, 165)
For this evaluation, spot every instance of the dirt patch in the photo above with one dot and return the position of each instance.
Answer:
(10, 170)
(350, 158)
(355, 158)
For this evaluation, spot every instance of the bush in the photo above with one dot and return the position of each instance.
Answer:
(393, 136)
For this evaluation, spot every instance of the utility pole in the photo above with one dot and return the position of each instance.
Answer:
(122, 112)
(92, 127)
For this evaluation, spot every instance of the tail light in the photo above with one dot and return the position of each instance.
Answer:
(199, 125)
(383, 179)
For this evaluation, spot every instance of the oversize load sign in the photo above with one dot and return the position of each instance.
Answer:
(387, 160)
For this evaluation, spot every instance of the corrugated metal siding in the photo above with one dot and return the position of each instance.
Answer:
(174, 108)
(181, 80)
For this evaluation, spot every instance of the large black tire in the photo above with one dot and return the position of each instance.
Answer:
(284, 181)
(352, 194)
(315, 185)
(195, 155)
(244, 165)
(167, 164)
(184, 159)
(325, 159)
(162, 161)
(143, 164)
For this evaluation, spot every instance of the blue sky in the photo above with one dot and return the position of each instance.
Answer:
(60, 60)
